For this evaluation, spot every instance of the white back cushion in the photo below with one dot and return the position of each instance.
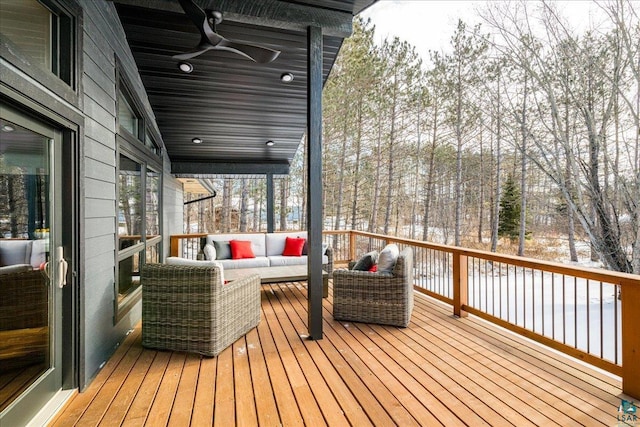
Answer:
(256, 239)
(276, 241)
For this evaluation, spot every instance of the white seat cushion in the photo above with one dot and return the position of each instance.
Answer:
(279, 260)
(230, 264)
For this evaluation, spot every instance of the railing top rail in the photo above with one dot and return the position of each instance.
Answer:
(187, 236)
(552, 267)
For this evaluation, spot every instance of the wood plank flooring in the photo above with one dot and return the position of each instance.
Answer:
(439, 371)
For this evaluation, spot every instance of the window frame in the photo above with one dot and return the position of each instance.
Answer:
(136, 148)
(66, 53)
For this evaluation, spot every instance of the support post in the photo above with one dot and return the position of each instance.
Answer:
(314, 180)
(460, 283)
(630, 338)
(271, 217)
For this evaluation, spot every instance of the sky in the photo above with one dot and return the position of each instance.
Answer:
(429, 24)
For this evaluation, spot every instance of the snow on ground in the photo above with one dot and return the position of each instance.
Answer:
(580, 313)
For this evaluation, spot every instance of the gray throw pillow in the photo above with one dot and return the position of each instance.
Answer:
(305, 248)
(388, 257)
(223, 249)
(367, 261)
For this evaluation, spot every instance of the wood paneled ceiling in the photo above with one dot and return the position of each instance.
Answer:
(232, 103)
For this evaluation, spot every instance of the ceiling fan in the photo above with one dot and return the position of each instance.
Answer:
(206, 21)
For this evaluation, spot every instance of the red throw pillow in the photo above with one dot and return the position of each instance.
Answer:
(241, 249)
(374, 268)
(293, 246)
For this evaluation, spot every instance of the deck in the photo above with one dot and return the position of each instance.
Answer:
(440, 370)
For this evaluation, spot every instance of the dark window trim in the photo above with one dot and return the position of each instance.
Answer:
(69, 62)
(144, 126)
(134, 147)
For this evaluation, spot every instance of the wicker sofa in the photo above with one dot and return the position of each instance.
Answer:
(268, 249)
(188, 308)
(381, 297)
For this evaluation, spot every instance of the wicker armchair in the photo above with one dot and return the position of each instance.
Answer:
(24, 317)
(187, 308)
(384, 298)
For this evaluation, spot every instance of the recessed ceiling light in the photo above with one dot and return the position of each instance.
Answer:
(197, 140)
(286, 77)
(185, 66)
(8, 128)
(270, 143)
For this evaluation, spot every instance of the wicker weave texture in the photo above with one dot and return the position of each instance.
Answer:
(383, 298)
(24, 300)
(187, 308)
(328, 267)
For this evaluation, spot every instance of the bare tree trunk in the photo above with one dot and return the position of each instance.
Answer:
(430, 175)
(373, 226)
(498, 190)
(226, 206)
(523, 177)
(481, 197)
(244, 200)
(458, 186)
(284, 196)
(573, 253)
(356, 172)
(392, 137)
(340, 186)
(12, 202)
(414, 201)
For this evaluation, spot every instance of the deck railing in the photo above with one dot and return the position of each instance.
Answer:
(590, 314)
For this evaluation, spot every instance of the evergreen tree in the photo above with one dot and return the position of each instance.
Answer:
(509, 221)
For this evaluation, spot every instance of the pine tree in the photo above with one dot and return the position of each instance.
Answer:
(509, 221)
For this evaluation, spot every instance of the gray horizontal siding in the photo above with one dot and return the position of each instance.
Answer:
(103, 40)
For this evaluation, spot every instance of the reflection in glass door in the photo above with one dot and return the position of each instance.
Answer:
(30, 298)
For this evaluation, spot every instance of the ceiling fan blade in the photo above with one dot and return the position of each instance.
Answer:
(188, 55)
(206, 22)
(259, 54)
(201, 21)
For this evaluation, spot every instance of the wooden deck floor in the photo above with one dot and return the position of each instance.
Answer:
(439, 371)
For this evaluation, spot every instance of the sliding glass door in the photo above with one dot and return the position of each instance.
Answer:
(32, 265)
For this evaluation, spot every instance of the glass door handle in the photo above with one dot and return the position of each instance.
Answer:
(63, 266)
(62, 269)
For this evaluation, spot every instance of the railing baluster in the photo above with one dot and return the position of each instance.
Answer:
(542, 283)
(553, 306)
(616, 323)
(564, 309)
(601, 323)
(588, 318)
(575, 312)
(508, 295)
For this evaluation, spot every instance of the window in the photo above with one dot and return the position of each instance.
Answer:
(152, 236)
(127, 118)
(42, 31)
(139, 197)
